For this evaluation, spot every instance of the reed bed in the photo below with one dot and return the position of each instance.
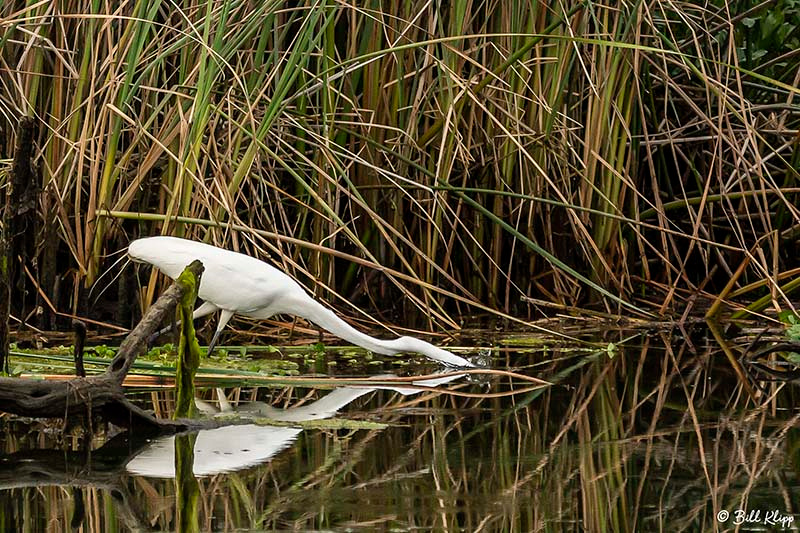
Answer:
(508, 158)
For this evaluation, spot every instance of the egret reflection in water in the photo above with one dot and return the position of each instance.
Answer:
(236, 447)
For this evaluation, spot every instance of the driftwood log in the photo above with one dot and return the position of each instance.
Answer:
(102, 394)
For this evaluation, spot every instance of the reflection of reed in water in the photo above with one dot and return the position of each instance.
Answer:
(653, 435)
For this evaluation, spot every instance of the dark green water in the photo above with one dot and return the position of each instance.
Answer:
(657, 434)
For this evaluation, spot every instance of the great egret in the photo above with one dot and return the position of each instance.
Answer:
(235, 283)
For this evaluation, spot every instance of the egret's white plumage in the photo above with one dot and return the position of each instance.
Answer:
(235, 283)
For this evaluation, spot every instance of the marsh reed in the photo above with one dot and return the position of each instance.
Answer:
(459, 158)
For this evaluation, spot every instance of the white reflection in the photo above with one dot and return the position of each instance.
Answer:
(231, 448)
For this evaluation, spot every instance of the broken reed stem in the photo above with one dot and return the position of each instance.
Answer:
(714, 309)
(80, 338)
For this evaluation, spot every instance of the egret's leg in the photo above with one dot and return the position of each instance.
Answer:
(224, 405)
(206, 309)
(224, 317)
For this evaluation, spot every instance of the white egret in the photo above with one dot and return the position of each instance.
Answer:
(234, 283)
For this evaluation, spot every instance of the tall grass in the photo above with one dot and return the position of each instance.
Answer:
(470, 156)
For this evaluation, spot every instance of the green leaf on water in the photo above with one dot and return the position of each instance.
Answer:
(792, 322)
(611, 350)
(793, 357)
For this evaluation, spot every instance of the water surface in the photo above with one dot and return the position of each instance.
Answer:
(638, 433)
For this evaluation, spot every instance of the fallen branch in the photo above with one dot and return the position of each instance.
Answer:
(102, 394)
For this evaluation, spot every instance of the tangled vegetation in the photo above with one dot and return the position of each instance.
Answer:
(511, 158)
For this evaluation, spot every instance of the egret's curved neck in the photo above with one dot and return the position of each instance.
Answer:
(325, 318)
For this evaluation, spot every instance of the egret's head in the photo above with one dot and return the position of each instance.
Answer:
(412, 344)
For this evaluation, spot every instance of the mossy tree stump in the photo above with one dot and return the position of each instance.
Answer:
(188, 348)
